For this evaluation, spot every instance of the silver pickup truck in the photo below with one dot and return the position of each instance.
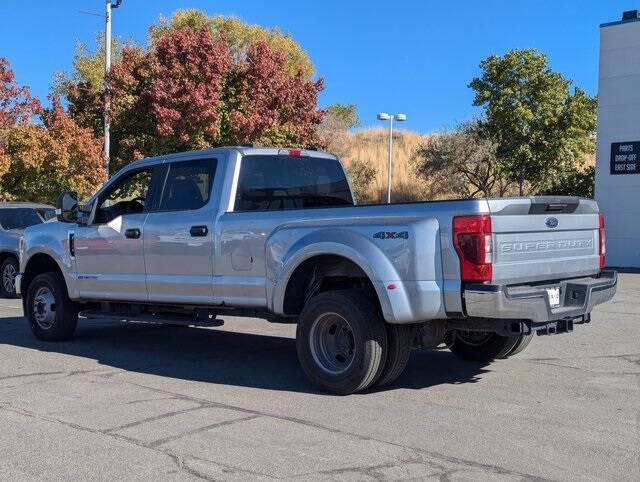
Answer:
(276, 234)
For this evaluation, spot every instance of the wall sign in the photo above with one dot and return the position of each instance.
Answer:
(625, 157)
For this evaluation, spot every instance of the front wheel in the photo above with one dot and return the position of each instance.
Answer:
(9, 269)
(341, 341)
(484, 347)
(52, 315)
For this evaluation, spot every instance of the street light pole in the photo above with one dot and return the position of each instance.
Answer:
(107, 82)
(107, 97)
(390, 159)
(390, 118)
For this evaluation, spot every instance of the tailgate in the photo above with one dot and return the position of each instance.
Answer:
(544, 238)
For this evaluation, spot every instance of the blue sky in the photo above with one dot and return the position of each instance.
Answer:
(406, 56)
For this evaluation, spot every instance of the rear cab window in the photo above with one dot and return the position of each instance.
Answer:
(271, 183)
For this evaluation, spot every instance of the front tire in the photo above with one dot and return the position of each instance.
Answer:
(9, 270)
(52, 315)
(485, 347)
(341, 341)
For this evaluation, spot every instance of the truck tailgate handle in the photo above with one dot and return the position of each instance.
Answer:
(133, 233)
(198, 231)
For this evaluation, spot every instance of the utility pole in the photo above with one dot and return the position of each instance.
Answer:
(107, 82)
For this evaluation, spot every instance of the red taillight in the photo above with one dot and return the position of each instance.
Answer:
(602, 250)
(295, 152)
(474, 245)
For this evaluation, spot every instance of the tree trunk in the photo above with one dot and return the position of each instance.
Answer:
(522, 182)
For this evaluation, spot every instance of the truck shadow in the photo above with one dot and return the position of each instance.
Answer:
(218, 356)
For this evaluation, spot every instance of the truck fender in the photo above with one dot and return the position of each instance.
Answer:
(51, 247)
(282, 262)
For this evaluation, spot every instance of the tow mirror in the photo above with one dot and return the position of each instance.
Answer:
(67, 207)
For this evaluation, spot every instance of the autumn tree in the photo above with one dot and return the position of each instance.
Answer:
(16, 104)
(201, 82)
(41, 160)
(543, 129)
(239, 35)
(267, 106)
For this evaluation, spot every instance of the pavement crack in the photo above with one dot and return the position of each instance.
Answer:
(162, 441)
(586, 370)
(432, 454)
(34, 374)
(152, 419)
(176, 459)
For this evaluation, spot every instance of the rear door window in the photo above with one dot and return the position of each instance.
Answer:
(269, 183)
(188, 185)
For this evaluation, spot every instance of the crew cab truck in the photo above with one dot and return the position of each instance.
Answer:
(276, 234)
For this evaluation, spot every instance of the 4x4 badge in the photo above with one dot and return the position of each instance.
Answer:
(392, 235)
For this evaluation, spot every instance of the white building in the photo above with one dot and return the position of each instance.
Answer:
(617, 188)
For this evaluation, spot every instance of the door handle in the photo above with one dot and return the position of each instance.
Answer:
(133, 233)
(198, 231)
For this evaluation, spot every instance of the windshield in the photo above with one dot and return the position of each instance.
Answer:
(46, 213)
(19, 218)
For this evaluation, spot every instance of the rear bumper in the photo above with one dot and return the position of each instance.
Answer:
(578, 297)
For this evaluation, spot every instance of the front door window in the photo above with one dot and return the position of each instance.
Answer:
(128, 196)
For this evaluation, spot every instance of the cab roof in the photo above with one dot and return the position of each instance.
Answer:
(248, 149)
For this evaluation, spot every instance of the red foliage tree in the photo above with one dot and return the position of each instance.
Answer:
(186, 92)
(189, 69)
(16, 104)
(272, 107)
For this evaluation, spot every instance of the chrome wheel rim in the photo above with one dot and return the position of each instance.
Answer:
(332, 343)
(44, 308)
(9, 278)
(473, 338)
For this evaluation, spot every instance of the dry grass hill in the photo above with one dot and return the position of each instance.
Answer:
(371, 147)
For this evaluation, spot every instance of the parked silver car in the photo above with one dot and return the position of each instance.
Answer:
(14, 218)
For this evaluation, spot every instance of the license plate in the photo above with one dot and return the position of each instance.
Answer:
(554, 297)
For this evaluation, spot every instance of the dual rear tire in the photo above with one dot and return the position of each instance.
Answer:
(485, 347)
(344, 345)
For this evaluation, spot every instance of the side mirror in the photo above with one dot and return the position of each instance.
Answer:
(67, 207)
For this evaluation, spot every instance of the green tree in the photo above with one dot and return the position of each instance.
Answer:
(578, 182)
(361, 176)
(340, 117)
(543, 129)
(337, 120)
(462, 161)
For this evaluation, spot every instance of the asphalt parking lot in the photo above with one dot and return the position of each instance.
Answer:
(133, 401)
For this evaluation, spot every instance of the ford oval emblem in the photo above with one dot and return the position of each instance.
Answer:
(551, 222)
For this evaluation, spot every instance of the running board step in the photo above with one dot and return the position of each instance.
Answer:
(160, 318)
